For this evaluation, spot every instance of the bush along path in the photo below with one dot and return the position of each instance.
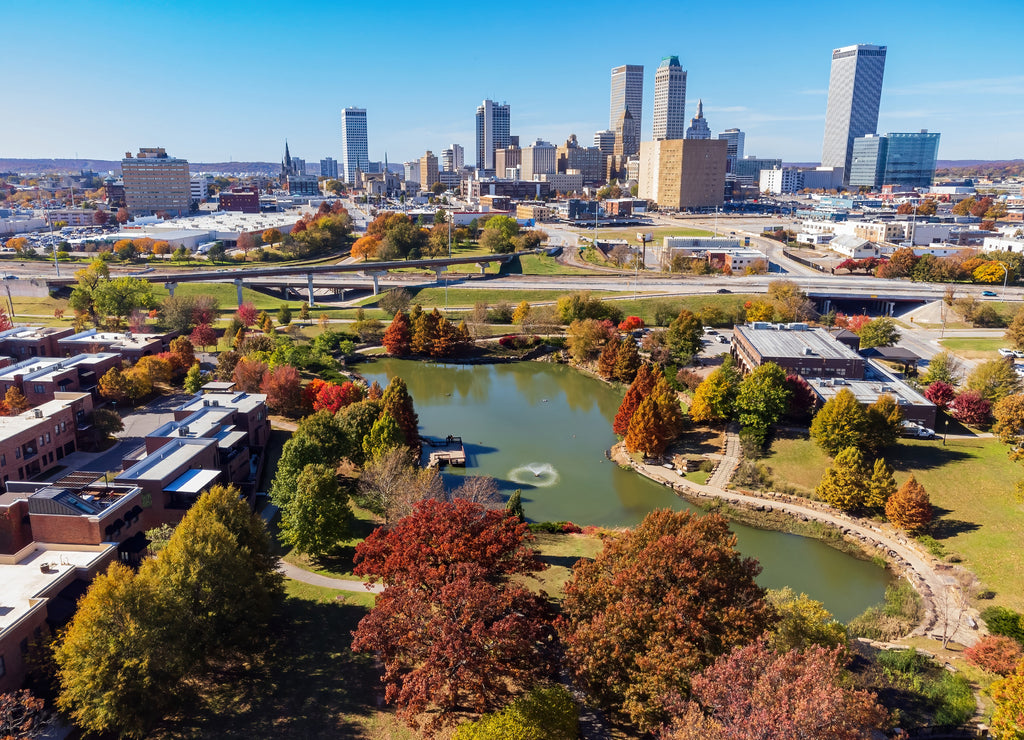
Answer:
(945, 604)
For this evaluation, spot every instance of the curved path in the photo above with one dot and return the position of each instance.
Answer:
(315, 579)
(941, 594)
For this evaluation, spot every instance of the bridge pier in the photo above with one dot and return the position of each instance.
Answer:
(437, 273)
(483, 267)
(309, 290)
(170, 288)
(375, 276)
(238, 288)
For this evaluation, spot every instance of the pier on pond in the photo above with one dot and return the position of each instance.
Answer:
(448, 451)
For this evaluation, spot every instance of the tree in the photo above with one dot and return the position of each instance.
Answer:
(989, 272)
(119, 662)
(157, 368)
(545, 713)
(245, 242)
(715, 398)
(283, 388)
(1008, 695)
(107, 422)
(790, 303)
(586, 337)
(883, 423)
(755, 692)
(397, 402)
(317, 516)
(247, 314)
(802, 399)
(384, 436)
(26, 715)
(452, 627)
(118, 297)
(994, 380)
(627, 361)
(203, 336)
(248, 375)
(995, 653)
(844, 484)
(640, 388)
(498, 234)
(479, 489)
(684, 335)
(659, 603)
(395, 300)
(366, 247)
(643, 434)
(759, 311)
(801, 622)
(398, 336)
(881, 332)
(606, 360)
(183, 352)
(177, 312)
(284, 315)
(194, 379)
(521, 313)
(271, 236)
(909, 508)
(880, 487)
(763, 397)
(514, 505)
(943, 367)
(1009, 416)
(941, 394)
(112, 386)
(393, 485)
(1015, 332)
(971, 409)
(840, 423)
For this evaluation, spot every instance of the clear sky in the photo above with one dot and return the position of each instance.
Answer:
(213, 81)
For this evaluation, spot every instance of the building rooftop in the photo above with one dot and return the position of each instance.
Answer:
(193, 481)
(876, 381)
(24, 580)
(161, 464)
(12, 425)
(25, 333)
(244, 402)
(794, 340)
(200, 424)
(39, 368)
(93, 336)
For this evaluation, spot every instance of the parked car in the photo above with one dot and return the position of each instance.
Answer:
(989, 293)
(723, 290)
(709, 330)
(1018, 353)
(1006, 352)
(723, 339)
(915, 431)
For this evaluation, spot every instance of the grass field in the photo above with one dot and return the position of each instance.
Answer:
(644, 306)
(560, 552)
(540, 264)
(974, 348)
(971, 485)
(434, 296)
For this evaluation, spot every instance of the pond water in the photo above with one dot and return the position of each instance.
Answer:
(544, 429)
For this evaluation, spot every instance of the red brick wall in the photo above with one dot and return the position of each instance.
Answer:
(14, 534)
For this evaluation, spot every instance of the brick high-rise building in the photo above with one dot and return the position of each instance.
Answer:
(428, 170)
(154, 182)
(683, 173)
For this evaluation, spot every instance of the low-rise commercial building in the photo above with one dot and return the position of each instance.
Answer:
(23, 342)
(40, 378)
(37, 439)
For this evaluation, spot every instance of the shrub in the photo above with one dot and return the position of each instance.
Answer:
(933, 546)
(751, 474)
(1003, 621)
(555, 527)
(707, 466)
(543, 714)
(891, 620)
(688, 379)
(995, 653)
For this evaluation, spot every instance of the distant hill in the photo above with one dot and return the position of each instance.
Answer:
(980, 168)
(112, 165)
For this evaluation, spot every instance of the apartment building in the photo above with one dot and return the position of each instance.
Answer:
(154, 182)
(40, 378)
(34, 441)
(32, 341)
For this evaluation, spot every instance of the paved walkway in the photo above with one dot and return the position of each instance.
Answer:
(314, 579)
(941, 594)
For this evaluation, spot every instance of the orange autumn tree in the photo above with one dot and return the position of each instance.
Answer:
(641, 387)
(909, 508)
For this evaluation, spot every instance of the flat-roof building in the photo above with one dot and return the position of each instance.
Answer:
(40, 378)
(154, 182)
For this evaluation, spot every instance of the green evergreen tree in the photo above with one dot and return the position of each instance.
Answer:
(195, 379)
(397, 402)
(763, 397)
(844, 485)
(284, 315)
(385, 435)
(515, 505)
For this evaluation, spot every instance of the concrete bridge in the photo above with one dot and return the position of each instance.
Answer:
(245, 276)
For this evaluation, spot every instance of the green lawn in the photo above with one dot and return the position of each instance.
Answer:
(339, 565)
(435, 296)
(975, 348)
(971, 485)
(560, 552)
(540, 264)
(644, 306)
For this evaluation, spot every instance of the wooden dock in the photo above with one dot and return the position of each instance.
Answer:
(449, 451)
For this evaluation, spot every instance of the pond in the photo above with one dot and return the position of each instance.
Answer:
(544, 429)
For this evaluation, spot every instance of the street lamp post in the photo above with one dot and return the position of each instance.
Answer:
(1006, 275)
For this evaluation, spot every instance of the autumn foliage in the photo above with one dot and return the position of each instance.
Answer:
(995, 653)
(398, 336)
(909, 508)
(641, 387)
(323, 395)
(658, 604)
(452, 628)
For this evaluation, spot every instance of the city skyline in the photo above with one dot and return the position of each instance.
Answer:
(167, 96)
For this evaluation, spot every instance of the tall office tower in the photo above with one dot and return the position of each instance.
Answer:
(854, 91)
(735, 151)
(627, 134)
(905, 159)
(453, 158)
(155, 182)
(428, 170)
(493, 124)
(699, 128)
(329, 168)
(605, 141)
(627, 92)
(355, 152)
(669, 100)
(540, 158)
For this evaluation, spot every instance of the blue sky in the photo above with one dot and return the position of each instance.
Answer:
(214, 81)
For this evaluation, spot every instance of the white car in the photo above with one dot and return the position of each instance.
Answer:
(1006, 352)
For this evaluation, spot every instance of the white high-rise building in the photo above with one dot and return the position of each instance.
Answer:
(453, 159)
(627, 92)
(355, 152)
(669, 100)
(538, 159)
(735, 138)
(854, 93)
(493, 131)
(605, 141)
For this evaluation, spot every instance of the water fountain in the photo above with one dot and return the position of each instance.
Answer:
(535, 474)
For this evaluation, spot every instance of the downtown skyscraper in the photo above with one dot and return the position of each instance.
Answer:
(493, 131)
(355, 151)
(669, 100)
(627, 92)
(854, 93)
